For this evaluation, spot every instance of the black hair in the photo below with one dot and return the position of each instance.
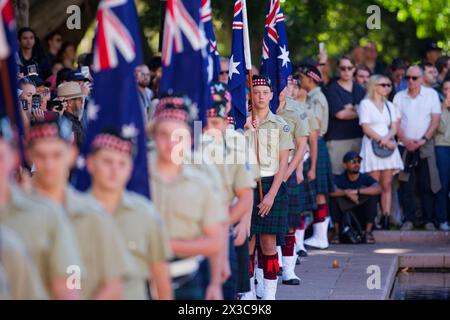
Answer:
(23, 30)
(62, 74)
(441, 63)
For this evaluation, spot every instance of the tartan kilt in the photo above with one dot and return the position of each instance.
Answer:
(195, 289)
(307, 191)
(295, 204)
(243, 268)
(276, 222)
(230, 286)
(324, 175)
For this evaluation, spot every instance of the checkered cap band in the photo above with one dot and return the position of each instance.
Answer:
(111, 142)
(42, 131)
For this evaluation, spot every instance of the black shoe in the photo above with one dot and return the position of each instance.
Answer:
(291, 282)
(280, 272)
(302, 253)
(386, 222)
(297, 262)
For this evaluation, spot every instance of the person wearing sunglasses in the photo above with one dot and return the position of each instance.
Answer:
(420, 112)
(379, 120)
(344, 132)
(224, 70)
(355, 192)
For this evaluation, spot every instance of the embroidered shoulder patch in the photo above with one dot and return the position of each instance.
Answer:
(286, 128)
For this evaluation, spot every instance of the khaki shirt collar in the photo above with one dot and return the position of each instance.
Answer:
(313, 92)
(270, 118)
(73, 205)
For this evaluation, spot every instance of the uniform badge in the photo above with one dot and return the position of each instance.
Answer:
(303, 116)
(286, 128)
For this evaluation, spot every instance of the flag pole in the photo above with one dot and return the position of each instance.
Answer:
(248, 66)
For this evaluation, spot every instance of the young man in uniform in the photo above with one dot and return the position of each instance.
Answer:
(187, 201)
(106, 262)
(110, 164)
(316, 101)
(239, 182)
(270, 214)
(45, 231)
(294, 176)
(308, 165)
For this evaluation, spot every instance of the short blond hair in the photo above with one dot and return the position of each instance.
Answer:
(372, 83)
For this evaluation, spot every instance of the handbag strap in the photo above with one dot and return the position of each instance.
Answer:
(390, 116)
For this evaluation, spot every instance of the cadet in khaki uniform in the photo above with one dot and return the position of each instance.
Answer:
(270, 214)
(307, 195)
(42, 227)
(239, 182)
(184, 195)
(110, 164)
(22, 276)
(297, 121)
(316, 101)
(105, 260)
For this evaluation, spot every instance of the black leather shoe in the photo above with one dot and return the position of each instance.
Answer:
(291, 282)
(297, 262)
(280, 272)
(302, 253)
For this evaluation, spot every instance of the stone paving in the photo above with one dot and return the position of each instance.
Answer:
(393, 250)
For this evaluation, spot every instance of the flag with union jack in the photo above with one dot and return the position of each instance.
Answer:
(275, 63)
(237, 76)
(9, 103)
(213, 53)
(184, 54)
(114, 104)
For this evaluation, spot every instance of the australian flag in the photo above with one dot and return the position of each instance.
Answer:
(9, 104)
(213, 53)
(237, 77)
(184, 54)
(276, 63)
(114, 104)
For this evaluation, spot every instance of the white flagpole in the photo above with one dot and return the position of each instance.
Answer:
(247, 54)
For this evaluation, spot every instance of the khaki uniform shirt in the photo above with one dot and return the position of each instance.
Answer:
(46, 232)
(22, 276)
(317, 102)
(442, 137)
(274, 135)
(104, 254)
(145, 236)
(187, 204)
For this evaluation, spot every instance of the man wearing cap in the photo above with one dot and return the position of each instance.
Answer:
(309, 164)
(356, 192)
(71, 93)
(45, 231)
(316, 101)
(270, 214)
(110, 164)
(293, 177)
(239, 181)
(105, 260)
(187, 201)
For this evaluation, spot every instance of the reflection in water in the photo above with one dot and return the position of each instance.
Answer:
(422, 285)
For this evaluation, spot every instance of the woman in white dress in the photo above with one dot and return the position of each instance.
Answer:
(379, 119)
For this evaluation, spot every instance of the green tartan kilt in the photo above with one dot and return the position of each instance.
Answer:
(295, 201)
(324, 175)
(307, 189)
(276, 222)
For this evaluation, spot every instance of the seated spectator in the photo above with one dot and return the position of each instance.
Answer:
(442, 147)
(344, 96)
(362, 75)
(357, 193)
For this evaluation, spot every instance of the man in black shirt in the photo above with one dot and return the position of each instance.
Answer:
(356, 192)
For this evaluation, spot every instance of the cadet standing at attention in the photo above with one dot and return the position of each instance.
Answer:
(105, 260)
(270, 214)
(46, 233)
(317, 103)
(187, 202)
(239, 182)
(110, 164)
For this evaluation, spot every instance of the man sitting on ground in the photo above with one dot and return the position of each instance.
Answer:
(357, 193)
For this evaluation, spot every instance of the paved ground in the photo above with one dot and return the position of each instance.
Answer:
(321, 281)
